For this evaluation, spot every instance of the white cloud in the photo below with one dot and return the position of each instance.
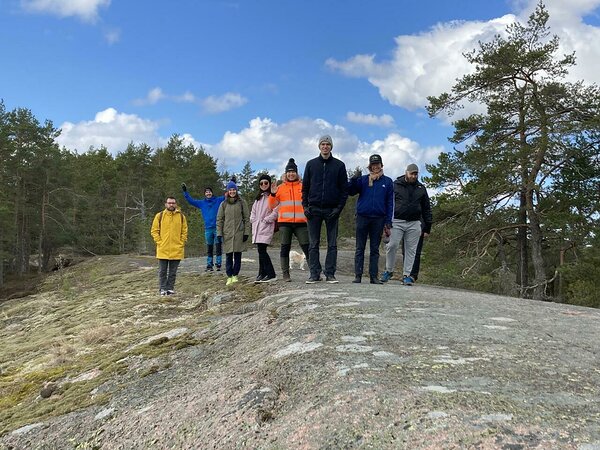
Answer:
(152, 97)
(267, 144)
(210, 105)
(111, 129)
(429, 63)
(225, 102)
(86, 10)
(385, 120)
(112, 36)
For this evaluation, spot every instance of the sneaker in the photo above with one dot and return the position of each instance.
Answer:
(229, 281)
(234, 279)
(375, 280)
(208, 269)
(259, 278)
(386, 276)
(408, 281)
(268, 279)
(357, 279)
(331, 279)
(313, 280)
(163, 292)
(218, 267)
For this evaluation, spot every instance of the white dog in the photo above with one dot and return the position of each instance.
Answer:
(297, 258)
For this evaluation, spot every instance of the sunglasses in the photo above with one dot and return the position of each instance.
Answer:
(264, 182)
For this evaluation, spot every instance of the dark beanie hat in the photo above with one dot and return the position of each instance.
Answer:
(264, 176)
(291, 166)
(208, 188)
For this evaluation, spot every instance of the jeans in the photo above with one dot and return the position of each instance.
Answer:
(315, 223)
(265, 265)
(167, 272)
(233, 263)
(410, 232)
(368, 227)
(210, 236)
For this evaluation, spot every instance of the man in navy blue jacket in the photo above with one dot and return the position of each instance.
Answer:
(324, 194)
(208, 207)
(374, 210)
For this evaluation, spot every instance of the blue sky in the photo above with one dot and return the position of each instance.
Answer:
(260, 80)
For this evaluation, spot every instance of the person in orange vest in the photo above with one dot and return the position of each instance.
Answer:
(291, 218)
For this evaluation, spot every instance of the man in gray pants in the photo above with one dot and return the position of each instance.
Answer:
(411, 206)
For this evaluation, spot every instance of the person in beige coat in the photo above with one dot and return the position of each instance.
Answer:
(169, 231)
(233, 230)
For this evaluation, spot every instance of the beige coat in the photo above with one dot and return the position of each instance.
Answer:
(233, 222)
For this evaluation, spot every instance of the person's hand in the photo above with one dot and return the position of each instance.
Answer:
(307, 212)
(183, 187)
(387, 229)
(334, 214)
(245, 238)
(274, 187)
(425, 235)
(357, 173)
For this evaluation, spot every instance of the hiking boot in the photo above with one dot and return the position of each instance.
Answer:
(229, 281)
(234, 279)
(408, 281)
(286, 276)
(313, 280)
(375, 280)
(208, 269)
(386, 276)
(218, 267)
(163, 292)
(357, 279)
(331, 279)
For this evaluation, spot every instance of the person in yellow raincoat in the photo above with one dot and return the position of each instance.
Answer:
(169, 231)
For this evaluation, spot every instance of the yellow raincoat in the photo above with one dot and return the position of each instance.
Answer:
(169, 231)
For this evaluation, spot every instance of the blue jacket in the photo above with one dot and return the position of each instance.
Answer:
(208, 206)
(376, 200)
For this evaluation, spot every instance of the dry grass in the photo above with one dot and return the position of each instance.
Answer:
(77, 323)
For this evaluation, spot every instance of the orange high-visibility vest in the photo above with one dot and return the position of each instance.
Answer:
(289, 199)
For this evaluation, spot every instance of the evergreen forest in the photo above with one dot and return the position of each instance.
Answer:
(515, 203)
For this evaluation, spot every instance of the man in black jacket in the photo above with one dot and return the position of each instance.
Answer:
(411, 208)
(324, 194)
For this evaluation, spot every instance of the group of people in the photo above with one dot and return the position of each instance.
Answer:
(399, 211)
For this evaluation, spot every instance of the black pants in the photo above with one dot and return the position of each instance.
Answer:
(286, 231)
(314, 236)
(233, 263)
(414, 273)
(167, 272)
(265, 266)
(368, 227)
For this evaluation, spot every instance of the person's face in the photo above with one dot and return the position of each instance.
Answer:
(208, 194)
(290, 175)
(376, 167)
(171, 204)
(411, 177)
(265, 185)
(232, 192)
(325, 148)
